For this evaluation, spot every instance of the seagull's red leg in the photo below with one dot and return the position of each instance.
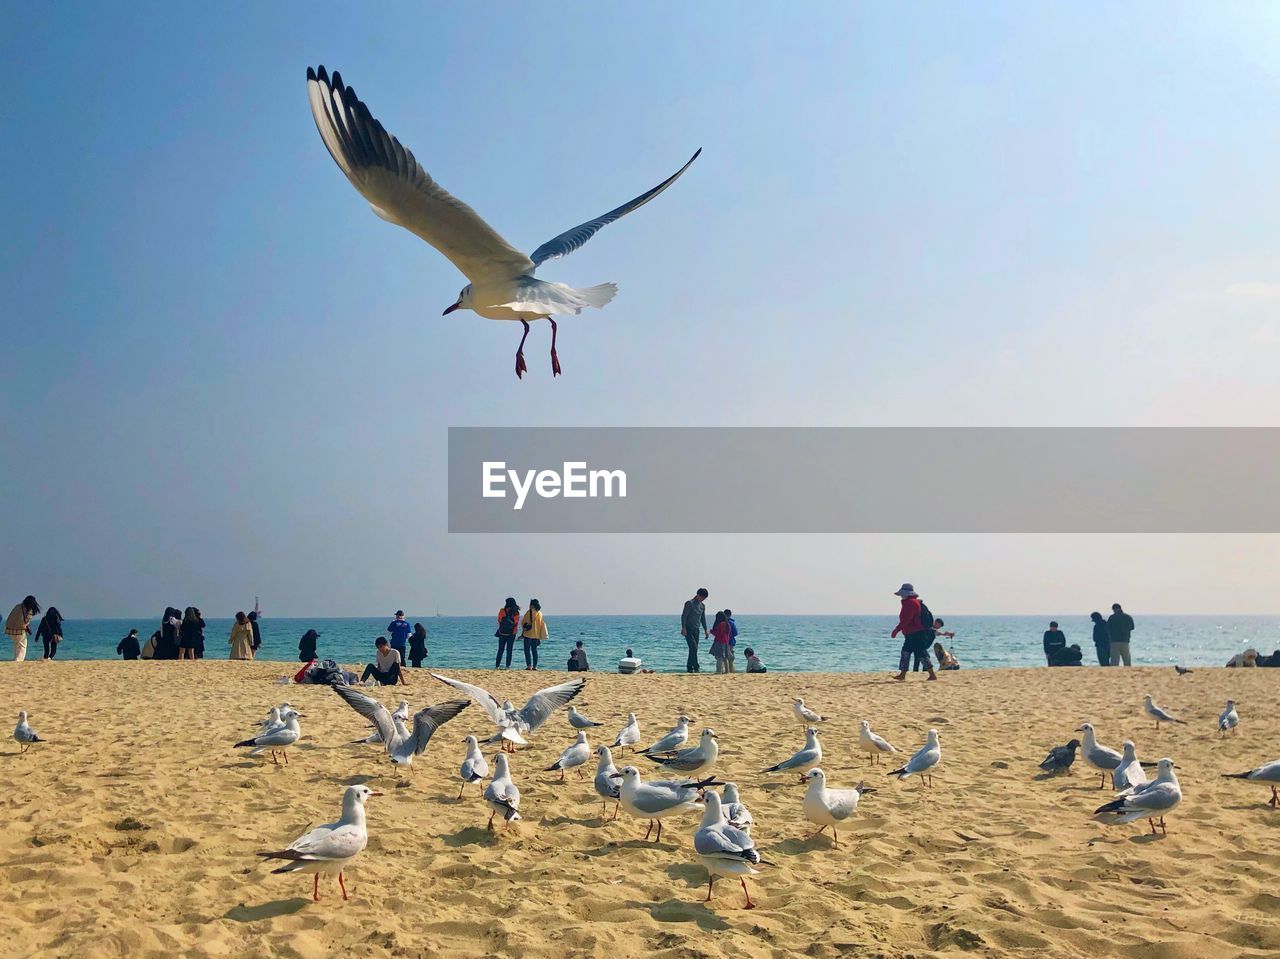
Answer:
(710, 880)
(1275, 799)
(835, 837)
(315, 887)
(520, 366)
(649, 830)
(489, 825)
(658, 838)
(617, 806)
(747, 893)
(345, 897)
(555, 360)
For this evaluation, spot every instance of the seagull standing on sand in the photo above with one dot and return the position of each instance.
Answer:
(572, 758)
(501, 794)
(696, 760)
(830, 807)
(606, 781)
(578, 721)
(630, 733)
(1130, 772)
(736, 812)
(401, 744)
(23, 734)
(656, 800)
(329, 848)
(724, 849)
(474, 768)
(502, 285)
(1148, 799)
(673, 740)
(1158, 714)
(1060, 758)
(279, 737)
(806, 715)
(808, 756)
(514, 724)
(922, 763)
(1229, 719)
(1268, 774)
(872, 744)
(1102, 758)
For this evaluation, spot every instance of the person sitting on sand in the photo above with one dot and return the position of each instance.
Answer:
(128, 647)
(946, 658)
(754, 662)
(307, 646)
(578, 659)
(386, 668)
(1247, 659)
(630, 663)
(241, 640)
(149, 647)
(1071, 656)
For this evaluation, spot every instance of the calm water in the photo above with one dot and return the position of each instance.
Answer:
(799, 643)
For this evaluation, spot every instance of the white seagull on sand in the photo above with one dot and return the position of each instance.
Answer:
(724, 849)
(1229, 719)
(673, 740)
(806, 715)
(502, 285)
(329, 848)
(579, 721)
(1157, 713)
(1102, 758)
(1268, 774)
(695, 760)
(656, 800)
(629, 734)
(1130, 772)
(808, 756)
(279, 737)
(736, 812)
(830, 807)
(606, 782)
(23, 734)
(400, 742)
(1146, 800)
(514, 724)
(474, 768)
(572, 758)
(501, 794)
(922, 763)
(872, 744)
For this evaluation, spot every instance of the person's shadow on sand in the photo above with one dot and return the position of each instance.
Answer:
(267, 910)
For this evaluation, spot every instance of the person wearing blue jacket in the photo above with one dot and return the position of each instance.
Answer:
(400, 629)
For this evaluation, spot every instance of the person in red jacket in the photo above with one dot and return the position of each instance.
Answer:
(915, 636)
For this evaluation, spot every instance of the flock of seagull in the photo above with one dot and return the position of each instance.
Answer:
(722, 842)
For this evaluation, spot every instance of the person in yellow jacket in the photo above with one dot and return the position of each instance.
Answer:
(241, 638)
(533, 630)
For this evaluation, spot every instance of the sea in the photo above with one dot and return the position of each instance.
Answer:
(785, 643)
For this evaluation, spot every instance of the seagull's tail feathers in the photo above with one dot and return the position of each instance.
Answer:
(598, 296)
(1243, 775)
(247, 742)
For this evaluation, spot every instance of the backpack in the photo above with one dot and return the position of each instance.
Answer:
(926, 619)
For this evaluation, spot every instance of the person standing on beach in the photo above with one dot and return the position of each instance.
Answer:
(191, 634)
(533, 630)
(1101, 639)
(508, 623)
(1055, 641)
(400, 629)
(50, 631)
(257, 633)
(418, 645)
(18, 626)
(733, 640)
(720, 642)
(241, 640)
(1119, 628)
(307, 646)
(128, 647)
(693, 618)
(915, 636)
(167, 646)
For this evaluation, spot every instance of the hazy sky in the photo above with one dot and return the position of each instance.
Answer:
(225, 376)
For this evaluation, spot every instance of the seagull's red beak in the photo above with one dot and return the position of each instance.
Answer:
(449, 310)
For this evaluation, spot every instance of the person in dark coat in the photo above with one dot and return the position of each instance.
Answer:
(128, 647)
(418, 645)
(1055, 641)
(257, 633)
(191, 635)
(307, 646)
(167, 648)
(1101, 639)
(50, 631)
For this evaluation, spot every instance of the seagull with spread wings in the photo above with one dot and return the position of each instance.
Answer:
(400, 742)
(502, 285)
(514, 724)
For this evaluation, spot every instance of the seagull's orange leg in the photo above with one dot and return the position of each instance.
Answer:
(315, 887)
(710, 880)
(345, 897)
(747, 893)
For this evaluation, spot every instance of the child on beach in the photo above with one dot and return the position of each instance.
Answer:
(921, 655)
(128, 647)
(754, 663)
(720, 642)
(946, 658)
(578, 659)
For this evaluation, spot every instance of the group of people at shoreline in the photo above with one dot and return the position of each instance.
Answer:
(1111, 637)
(723, 635)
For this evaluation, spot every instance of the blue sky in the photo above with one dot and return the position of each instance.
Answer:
(226, 376)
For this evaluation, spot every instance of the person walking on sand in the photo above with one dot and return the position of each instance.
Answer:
(50, 631)
(400, 629)
(693, 618)
(418, 645)
(1101, 639)
(18, 626)
(386, 667)
(914, 634)
(508, 623)
(241, 640)
(1055, 641)
(1119, 628)
(720, 642)
(128, 647)
(533, 630)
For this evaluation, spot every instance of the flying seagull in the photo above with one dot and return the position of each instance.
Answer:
(513, 724)
(502, 285)
(400, 742)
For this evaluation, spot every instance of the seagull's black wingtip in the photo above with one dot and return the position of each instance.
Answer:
(311, 73)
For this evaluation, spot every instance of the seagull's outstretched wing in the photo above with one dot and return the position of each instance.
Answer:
(427, 721)
(399, 190)
(570, 240)
(481, 696)
(546, 701)
(369, 708)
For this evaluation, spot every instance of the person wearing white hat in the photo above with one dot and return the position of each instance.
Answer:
(916, 636)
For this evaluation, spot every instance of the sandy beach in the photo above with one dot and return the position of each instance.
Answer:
(133, 831)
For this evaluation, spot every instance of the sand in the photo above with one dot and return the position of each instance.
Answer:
(133, 832)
